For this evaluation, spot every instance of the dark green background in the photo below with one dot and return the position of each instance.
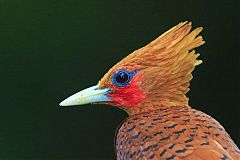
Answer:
(50, 49)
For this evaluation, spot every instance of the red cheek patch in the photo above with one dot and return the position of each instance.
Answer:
(130, 95)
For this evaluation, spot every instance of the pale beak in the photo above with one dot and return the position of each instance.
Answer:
(90, 95)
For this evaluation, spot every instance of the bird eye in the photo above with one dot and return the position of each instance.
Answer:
(121, 78)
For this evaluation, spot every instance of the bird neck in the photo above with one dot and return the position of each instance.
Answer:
(151, 106)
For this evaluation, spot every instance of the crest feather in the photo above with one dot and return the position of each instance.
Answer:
(166, 64)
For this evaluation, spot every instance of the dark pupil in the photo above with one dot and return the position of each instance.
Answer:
(122, 77)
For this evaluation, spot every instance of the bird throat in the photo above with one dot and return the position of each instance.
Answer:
(153, 105)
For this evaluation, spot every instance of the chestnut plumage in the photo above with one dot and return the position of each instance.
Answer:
(151, 84)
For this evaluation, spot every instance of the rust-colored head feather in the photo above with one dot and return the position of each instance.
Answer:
(165, 65)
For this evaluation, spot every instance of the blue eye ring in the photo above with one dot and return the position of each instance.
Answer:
(122, 77)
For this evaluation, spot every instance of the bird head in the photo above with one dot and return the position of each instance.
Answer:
(155, 76)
